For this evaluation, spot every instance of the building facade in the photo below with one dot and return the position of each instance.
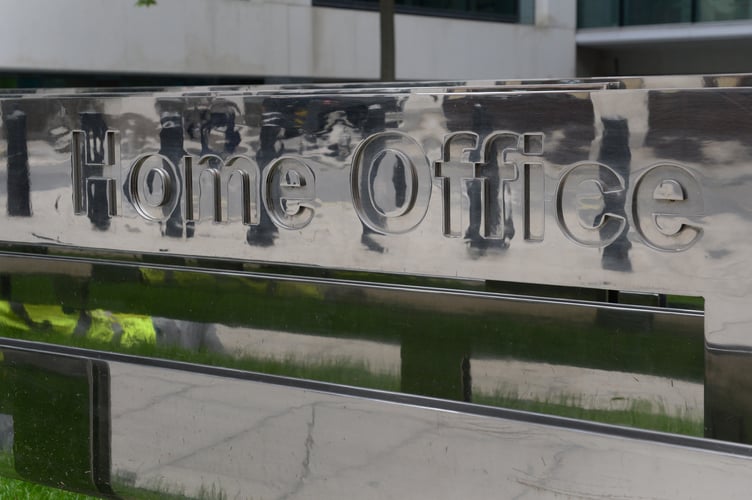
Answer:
(639, 37)
(195, 42)
(258, 41)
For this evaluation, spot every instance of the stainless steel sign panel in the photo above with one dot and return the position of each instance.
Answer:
(636, 185)
(597, 188)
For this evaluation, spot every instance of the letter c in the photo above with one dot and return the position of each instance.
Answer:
(585, 208)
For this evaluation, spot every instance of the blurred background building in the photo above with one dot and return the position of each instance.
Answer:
(191, 42)
(633, 37)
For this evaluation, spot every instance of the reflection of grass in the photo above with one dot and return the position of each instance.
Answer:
(339, 371)
(640, 413)
(613, 341)
(6, 466)
(344, 371)
(161, 490)
(686, 302)
(17, 489)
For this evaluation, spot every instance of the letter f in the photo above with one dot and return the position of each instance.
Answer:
(455, 171)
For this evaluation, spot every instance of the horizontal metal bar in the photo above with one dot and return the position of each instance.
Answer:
(250, 433)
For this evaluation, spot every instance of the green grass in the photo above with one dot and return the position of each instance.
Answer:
(21, 490)
(12, 488)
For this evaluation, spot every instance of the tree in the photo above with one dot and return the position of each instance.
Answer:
(386, 10)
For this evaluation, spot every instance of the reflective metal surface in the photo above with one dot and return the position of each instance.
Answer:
(504, 245)
(209, 436)
(596, 187)
(558, 356)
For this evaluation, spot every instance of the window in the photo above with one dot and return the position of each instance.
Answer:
(605, 13)
(512, 11)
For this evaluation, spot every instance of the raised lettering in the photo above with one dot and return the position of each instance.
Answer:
(289, 193)
(81, 161)
(457, 173)
(590, 204)
(241, 189)
(390, 182)
(667, 208)
(152, 188)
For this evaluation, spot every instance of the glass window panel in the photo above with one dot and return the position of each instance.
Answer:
(505, 10)
(597, 13)
(652, 12)
(724, 10)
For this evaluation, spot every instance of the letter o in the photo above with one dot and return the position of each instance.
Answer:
(390, 181)
(151, 206)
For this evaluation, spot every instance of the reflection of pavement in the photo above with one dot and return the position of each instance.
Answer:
(587, 387)
(309, 349)
(254, 440)
(580, 387)
(574, 386)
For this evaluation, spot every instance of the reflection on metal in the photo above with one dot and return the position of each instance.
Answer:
(60, 430)
(380, 238)
(203, 435)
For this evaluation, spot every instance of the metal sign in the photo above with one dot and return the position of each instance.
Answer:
(636, 184)
(487, 181)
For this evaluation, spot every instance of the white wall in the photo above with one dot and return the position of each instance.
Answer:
(276, 38)
(433, 47)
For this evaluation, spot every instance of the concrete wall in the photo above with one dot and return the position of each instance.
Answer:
(282, 38)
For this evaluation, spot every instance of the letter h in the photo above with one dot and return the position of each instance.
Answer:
(92, 191)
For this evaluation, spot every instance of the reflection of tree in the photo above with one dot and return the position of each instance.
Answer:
(328, 126)
(568, 118)
(682, 125)
(375, 122)
(171, 146)
(97, 205)
(18, 182)
(615, 153)
(499, 227)
(219, 117)
(270, 148)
